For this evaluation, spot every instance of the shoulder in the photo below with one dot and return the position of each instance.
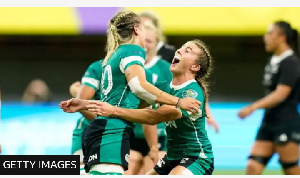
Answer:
(131, 50)
(193, 90)
(97, 64)
(290, 61)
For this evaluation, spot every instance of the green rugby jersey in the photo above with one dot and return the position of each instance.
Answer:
(159, 71)
(187, 136)
(114, 86)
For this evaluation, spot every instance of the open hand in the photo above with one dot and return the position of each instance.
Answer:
(72, 105)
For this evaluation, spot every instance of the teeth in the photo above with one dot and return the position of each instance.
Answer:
(177, 57)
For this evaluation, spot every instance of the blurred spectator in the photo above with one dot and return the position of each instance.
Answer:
(165, 51)
(75, 88)
(36, 91)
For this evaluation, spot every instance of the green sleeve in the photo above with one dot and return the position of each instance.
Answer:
(92, 76)
(134, 55)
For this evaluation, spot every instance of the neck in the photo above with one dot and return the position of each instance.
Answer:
(149, 57)
(134, 41)
(281, 49)
(179, 79)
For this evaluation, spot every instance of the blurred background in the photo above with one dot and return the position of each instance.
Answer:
(45, 50)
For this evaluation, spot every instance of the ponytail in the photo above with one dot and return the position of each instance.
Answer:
(112, 41)
(290, 33)
(205, 62)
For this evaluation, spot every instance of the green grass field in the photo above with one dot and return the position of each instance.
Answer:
(242, 172)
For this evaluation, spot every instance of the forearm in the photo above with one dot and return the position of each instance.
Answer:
(142, 116)
(161, 97)
(88, 115)
(148, 116)
(150, 132)
(269, 101)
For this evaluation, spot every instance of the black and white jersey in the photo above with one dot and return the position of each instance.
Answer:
(285, 70)
(165, 51)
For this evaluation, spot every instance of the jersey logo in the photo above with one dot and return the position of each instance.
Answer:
(92, 157)
(184, 160)
(189, 93)
(171, 124)
(161, 163)
(127, 158)
(283, 137)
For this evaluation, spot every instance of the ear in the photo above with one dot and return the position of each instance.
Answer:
(195, 68)
(136, 29)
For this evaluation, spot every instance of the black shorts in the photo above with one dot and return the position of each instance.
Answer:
(279, 135)
(101, 144)
(141, 145)
(198, 166)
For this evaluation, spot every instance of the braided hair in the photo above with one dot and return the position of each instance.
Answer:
(205, 62)
(120, 31)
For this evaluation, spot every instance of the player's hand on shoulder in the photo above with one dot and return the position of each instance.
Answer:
(190, 104)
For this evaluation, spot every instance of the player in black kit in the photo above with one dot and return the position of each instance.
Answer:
(280, 129)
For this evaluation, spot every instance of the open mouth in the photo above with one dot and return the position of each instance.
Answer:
(176, 59)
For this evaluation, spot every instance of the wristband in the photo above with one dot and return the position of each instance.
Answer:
(177, 104)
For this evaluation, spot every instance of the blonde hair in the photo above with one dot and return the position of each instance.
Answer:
(120, 30)
(155, 21)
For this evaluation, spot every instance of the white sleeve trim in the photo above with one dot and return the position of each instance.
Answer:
(129, 59)
(92, 81)
(140, 92)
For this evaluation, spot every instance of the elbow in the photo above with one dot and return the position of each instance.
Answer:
(280, 98)
(153, 121)
(138, 90)
(170, 117)
(175, 116)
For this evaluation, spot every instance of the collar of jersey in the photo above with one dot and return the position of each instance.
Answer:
(152, 62)
(178, 87)
(278, 59)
